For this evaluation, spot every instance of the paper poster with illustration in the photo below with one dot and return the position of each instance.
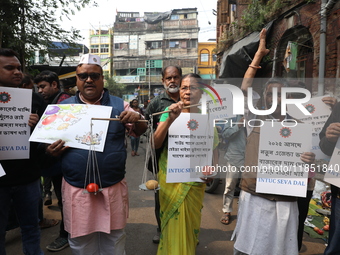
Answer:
(280, 169)
(319, 115)
(15, 109)
(190, 143)
(72, 123)
(332, 174)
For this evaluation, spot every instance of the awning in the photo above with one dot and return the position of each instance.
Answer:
(236, 59)
(67, 75)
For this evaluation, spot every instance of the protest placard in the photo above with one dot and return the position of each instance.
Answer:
(332, 174)
(15, 109)
(216, 108)
(280, 169)
(190, 145)
(72, 123)
(320, 113)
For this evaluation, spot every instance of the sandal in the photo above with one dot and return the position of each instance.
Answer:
(225, 218)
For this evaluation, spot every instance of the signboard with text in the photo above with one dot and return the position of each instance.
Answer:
(190, 145)
(15, 109)
(320, 113)
(214, 106)
(280, 169)
(332, 174)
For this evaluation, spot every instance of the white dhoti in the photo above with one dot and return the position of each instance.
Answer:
(266, 227)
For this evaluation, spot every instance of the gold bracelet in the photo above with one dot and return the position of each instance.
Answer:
(256, 67)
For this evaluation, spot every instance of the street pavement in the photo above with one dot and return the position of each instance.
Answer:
(214, 237)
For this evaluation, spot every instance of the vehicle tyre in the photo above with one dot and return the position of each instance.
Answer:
(212, 186)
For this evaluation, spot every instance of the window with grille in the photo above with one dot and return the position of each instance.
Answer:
(121, 46)
(174, 44)
(204, 57)
(104, 48)
(95, 48)
(104, 39)
(154, 63)
(154, 45)
(95, 39)
(141, 71)
(192, 43)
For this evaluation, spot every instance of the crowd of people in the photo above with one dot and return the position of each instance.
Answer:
(94, 224)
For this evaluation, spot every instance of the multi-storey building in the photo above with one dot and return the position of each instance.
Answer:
(61, 58)
(206, 60)
(303, 36)
(101, 43)
(143, 45)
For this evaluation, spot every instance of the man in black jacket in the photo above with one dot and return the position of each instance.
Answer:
(21, 184)
(48, 85)
(171, 79)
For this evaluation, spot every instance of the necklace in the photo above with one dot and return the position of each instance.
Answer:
(86, 102)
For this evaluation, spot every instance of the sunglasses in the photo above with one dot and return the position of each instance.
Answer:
(85, 76)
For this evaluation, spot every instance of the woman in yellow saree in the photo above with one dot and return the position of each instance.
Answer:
(180, 203)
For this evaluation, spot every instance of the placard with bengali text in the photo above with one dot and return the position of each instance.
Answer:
(214, 107)
(280, 169)
(190, 145)
(320, 113)
(332, 174)
(15, 109)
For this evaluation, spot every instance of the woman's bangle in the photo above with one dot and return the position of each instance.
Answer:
(256, 67)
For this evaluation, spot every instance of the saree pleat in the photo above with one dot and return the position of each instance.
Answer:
(181, 205)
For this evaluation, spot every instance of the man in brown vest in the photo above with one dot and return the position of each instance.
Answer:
(267, 223)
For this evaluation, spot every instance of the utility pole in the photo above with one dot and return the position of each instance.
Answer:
(149, 75)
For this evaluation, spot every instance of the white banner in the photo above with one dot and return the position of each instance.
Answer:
(15, 109)
(190, 146)
(332, 174)
(280, 169)
(320, 113)
(214, 106)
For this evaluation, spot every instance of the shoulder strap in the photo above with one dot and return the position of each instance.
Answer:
(55, 100)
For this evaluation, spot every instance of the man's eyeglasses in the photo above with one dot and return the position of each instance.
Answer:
(85, 76)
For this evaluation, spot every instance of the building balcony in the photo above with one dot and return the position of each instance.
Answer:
(182, 24)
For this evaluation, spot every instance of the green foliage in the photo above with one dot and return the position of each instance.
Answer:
(116, 89)
(259, 13)
(28, 25)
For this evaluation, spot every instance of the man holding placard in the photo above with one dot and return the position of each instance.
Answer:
(21, 183)
(267, 222)
(95, 213)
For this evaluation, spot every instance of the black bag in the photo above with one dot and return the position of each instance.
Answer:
(153, 161)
